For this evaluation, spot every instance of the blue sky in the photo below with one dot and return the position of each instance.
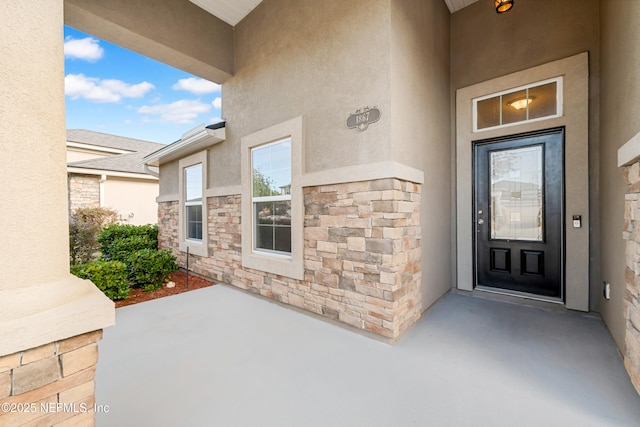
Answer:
(113, 90)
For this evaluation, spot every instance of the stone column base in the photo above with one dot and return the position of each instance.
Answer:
(52, 384)
(632, 274)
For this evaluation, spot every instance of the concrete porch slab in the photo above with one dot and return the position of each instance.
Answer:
(217, 356)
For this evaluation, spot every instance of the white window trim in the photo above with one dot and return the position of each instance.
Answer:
(187, 203)
(559, 104)
(196, 247)
(255, 200)
(277, 263)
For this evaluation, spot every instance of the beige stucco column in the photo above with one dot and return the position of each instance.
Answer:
(40, 302)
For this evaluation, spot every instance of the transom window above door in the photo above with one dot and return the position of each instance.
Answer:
(536, 101)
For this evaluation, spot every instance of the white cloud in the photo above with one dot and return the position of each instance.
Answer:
(88, 49)
(196, 86)
(217, 103)
(102, 91)
(181, 112)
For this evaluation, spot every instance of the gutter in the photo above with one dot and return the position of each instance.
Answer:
(148, 170)
(199, 138)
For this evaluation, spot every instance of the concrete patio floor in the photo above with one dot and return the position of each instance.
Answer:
(220, 357)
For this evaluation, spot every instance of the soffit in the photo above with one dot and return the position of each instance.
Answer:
(234, 11)
(230, 11)
(456, 5)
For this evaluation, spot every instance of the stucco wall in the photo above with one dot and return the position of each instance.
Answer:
(41, 301)
(322, 59)
(169, 186)
(620, 87)
(32, 111)
(134, 199)
(485, 45)
(421, 126)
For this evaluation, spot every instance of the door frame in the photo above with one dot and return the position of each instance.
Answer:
(562, 235)
(575, 119)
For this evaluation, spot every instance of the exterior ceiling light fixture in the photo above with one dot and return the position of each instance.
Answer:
(503, 6)
(519, 104)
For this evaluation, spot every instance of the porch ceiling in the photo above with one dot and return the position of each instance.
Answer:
(456, 5)
(230, 11)
(234, 11)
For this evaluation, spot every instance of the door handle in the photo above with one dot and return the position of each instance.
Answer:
(481, 221)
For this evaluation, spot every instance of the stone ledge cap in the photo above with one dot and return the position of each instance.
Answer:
(630, 152)
(44, 313)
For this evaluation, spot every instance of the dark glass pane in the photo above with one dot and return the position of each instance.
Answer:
(283, 239)
(264, 212)
(514, 107)
(282, 212)
(194, 222)
(543, 101)
(264, 237)
(488, 113)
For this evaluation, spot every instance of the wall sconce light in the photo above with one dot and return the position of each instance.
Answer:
(521, 103)
(503, 6)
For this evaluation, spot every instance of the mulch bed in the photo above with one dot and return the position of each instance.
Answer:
(178, 277)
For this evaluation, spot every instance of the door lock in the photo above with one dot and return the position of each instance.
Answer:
(481, 221)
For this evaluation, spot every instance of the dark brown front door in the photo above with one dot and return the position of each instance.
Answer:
(518, 210)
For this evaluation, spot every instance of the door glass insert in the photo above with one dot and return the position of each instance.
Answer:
(517, 193)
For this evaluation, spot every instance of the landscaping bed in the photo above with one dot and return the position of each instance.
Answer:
(137, 295)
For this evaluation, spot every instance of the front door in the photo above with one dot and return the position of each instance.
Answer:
(518, 211)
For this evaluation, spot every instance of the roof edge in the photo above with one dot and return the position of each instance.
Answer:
(196, 139)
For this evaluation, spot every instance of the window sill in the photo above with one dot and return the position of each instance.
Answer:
(195, 248)
(281, 265)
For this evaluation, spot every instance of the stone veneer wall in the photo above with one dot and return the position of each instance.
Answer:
(50, 385)
(84, 191)
(632, 273)
(361, 257)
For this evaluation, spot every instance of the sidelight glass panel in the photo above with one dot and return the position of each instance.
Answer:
(517, 193)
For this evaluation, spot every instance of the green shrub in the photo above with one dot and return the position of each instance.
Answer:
(84, 227)
(119, 241)
(150, 268)
(121, 249)
(109, 276)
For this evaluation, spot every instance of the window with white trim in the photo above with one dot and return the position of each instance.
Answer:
(193, 202)
(536, 101)
(271, 197)
(192, 211)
